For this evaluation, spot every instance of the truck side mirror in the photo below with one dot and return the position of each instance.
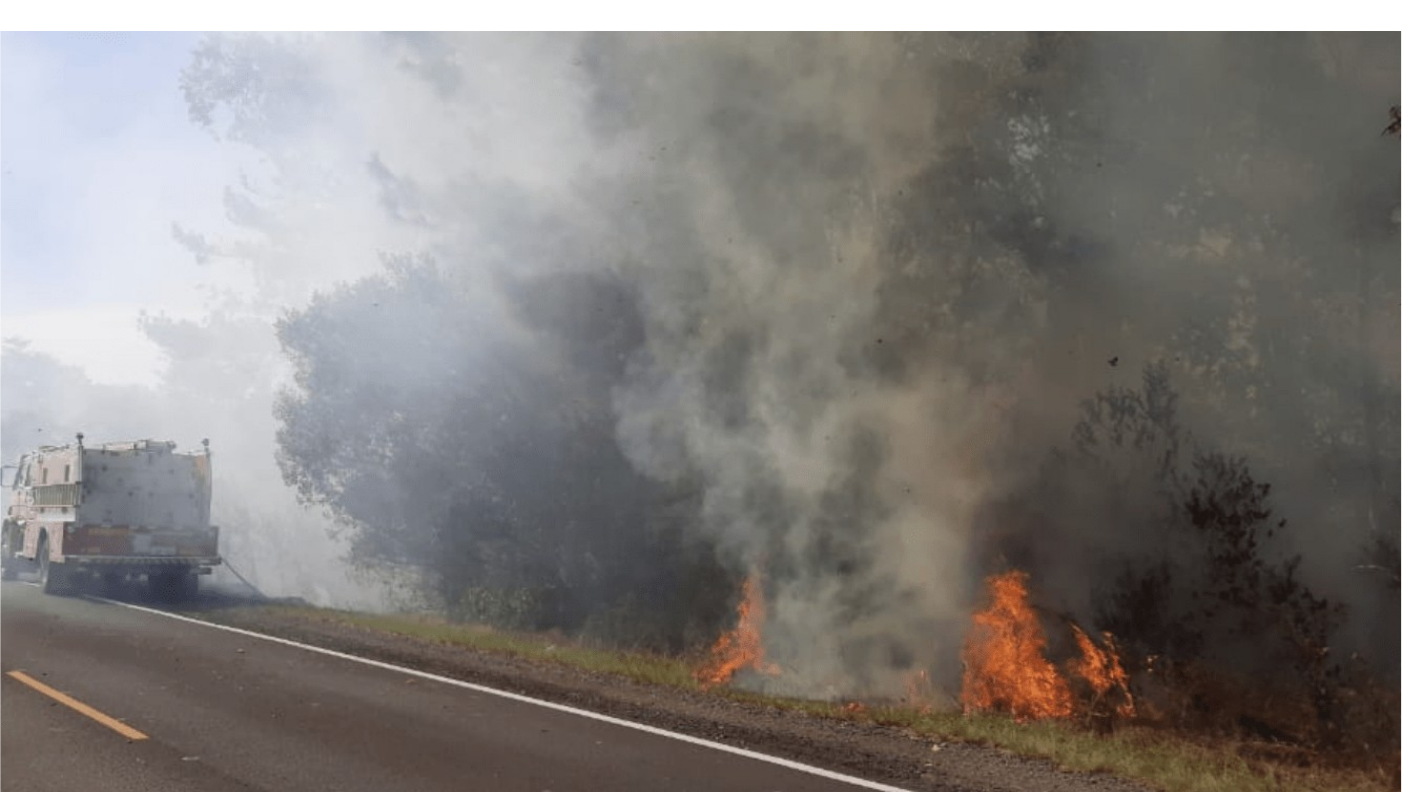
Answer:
(8, 480)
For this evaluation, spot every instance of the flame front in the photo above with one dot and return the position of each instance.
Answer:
(743, 646)
(1102, 669)
(1005, 667)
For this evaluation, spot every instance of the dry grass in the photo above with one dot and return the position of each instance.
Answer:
(1170, 760)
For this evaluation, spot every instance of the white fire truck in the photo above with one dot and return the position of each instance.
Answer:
(110, 512)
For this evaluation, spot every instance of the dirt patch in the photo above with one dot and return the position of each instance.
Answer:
(880, 753)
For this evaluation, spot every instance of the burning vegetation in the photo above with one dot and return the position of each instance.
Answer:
(743, 646)
(1006, 667)
(1005, 664)
(1102, 669)
(1005, 657)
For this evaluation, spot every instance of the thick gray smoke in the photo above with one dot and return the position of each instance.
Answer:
(879, 273)
(764, 247)
(877, 277)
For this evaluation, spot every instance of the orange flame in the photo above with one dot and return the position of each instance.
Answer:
(1004, 665)
(1102, 669)
(741, 647)
(1006, 669)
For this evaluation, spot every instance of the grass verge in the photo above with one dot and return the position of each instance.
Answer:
(1164, 759)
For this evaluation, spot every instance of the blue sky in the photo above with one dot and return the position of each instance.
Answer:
(99, 159)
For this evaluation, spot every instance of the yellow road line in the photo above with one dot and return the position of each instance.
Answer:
(68, 701)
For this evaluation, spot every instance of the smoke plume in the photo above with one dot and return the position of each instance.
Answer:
(877, 281)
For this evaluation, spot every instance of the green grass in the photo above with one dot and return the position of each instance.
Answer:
(638, 666)
(1163, 759)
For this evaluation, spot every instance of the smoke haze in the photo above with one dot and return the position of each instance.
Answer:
(866, 284)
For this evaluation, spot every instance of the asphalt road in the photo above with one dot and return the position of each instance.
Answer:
(222, 711)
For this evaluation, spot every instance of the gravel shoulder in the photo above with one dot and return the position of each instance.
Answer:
(881, 753)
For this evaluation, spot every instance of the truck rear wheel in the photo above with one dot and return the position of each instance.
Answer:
(112, 584)
(174, 587)
(189, 586)
(9, 565)
(53, 578)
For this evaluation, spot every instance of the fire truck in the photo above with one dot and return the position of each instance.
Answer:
(108, 513)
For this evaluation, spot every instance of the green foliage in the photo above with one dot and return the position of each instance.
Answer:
(475, 440)
(508, 609)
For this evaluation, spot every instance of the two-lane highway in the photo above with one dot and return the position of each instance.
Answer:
(223, 711)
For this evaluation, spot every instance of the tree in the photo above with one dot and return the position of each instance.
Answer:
(474, 440)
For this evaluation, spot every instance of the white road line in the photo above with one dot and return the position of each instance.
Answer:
(686, 738)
